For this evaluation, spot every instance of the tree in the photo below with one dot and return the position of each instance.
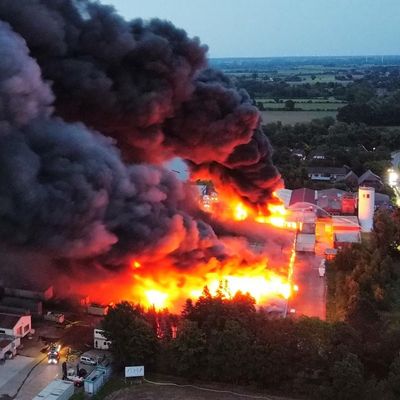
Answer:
(289, 105)
(189, 350)
(229, 350)
(394, 378)
(133, 341)
(347, 378)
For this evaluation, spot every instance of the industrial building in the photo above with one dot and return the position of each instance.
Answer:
(15, 325)
(99, 340)
(8, 346)
(30, 291)
(96, 379)
(326, 219)
(97, 309)
(56, 390)
(24, 298)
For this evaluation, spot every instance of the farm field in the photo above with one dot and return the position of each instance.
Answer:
(293, 117)
(306, 105)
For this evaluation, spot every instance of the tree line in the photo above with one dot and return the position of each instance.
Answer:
(357, 146)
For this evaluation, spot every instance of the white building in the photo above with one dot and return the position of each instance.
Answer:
(8, 346)
(99, 340)
(95, 380)
(15, 325)
(56, 390)
(366, 207)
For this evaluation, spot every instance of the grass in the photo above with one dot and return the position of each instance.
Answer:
(293, 117)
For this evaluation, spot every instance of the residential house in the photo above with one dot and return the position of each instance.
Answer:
(326, 174)
(370, 179)
(317, 155)
(351, 180)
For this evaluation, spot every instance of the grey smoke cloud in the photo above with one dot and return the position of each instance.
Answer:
(65, 191)
(23, 94)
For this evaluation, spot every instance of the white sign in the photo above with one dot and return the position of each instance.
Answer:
(131, 372)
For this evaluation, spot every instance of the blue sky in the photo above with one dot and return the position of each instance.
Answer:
(268, 28)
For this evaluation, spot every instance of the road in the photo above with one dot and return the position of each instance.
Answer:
(310, 300)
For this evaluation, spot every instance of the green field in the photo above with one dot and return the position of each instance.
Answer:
(293, 117)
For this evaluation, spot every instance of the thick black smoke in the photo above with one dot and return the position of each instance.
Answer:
(144, 84)
(65, 192)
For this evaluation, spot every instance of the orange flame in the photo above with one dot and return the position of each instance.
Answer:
(227, 205)
(170, 290)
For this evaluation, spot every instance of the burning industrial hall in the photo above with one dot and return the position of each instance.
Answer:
(91, 109)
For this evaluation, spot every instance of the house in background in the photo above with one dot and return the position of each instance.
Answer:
(370, 179)
(326, 174)
(99, 340)
(351, 180)
(317, 155)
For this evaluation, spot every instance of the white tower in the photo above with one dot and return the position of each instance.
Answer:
(366, 207)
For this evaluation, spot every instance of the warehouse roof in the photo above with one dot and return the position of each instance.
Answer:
(54, 390)
(348, 237)
(343, 222)
(303, 195)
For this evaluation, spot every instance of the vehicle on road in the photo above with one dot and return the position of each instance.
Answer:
(53, 355)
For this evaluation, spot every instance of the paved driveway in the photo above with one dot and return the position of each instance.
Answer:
(11, 369)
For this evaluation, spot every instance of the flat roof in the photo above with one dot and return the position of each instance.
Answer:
(54, 390)
(348, 237)
(94, 375)
(303, 195)
(345, 220)
(306, 238)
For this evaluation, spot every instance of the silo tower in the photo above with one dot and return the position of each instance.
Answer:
(366, 207)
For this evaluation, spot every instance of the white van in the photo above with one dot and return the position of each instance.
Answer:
(88, 360)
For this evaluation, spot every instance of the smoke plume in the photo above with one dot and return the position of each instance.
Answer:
(64, 189)
(146, 84)
(90, 105)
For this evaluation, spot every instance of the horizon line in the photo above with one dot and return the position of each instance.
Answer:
(309, 56)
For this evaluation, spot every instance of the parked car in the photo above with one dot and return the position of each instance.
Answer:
(88, 360)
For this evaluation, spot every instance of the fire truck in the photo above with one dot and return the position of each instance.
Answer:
(53, 355)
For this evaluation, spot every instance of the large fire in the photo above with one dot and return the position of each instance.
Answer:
(227, 205)
(163, 285)
(168, 288)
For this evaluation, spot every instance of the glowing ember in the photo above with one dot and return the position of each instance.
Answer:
(227, 206)
(171, 289)
(240, 212)
(156, 298)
